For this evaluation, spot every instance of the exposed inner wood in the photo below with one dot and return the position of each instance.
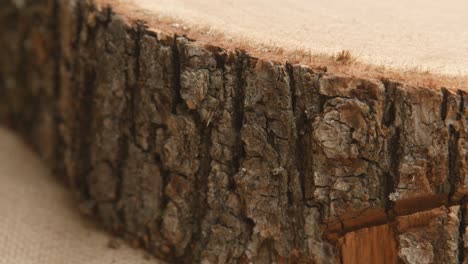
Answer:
(395, 42)
(430, 35)
(204, 154)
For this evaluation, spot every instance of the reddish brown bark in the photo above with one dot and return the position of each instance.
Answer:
(201, 154)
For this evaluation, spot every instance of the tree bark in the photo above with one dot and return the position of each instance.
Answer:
(201, 154)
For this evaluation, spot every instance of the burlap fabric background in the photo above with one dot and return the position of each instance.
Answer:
(39, 222)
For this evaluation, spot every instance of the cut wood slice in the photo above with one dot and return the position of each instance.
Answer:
(205, 151)
(419, 43)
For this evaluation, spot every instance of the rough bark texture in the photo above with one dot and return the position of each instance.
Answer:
(205, 155)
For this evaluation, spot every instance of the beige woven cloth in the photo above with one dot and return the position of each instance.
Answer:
(39, 222)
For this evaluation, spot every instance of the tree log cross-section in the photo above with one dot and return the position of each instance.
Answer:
(210, 155)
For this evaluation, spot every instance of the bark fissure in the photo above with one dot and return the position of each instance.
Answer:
(292, 94)
(57, 64)
(388, 117)
(238, 107)
(443, 105)
(461, 107)
(395, 156)
(453, 156)
(391, 177)
(211, 161)
(57, 48)
(85, 115)
(137, 35)
(118, 169)
(177, 68)
(201, 187)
